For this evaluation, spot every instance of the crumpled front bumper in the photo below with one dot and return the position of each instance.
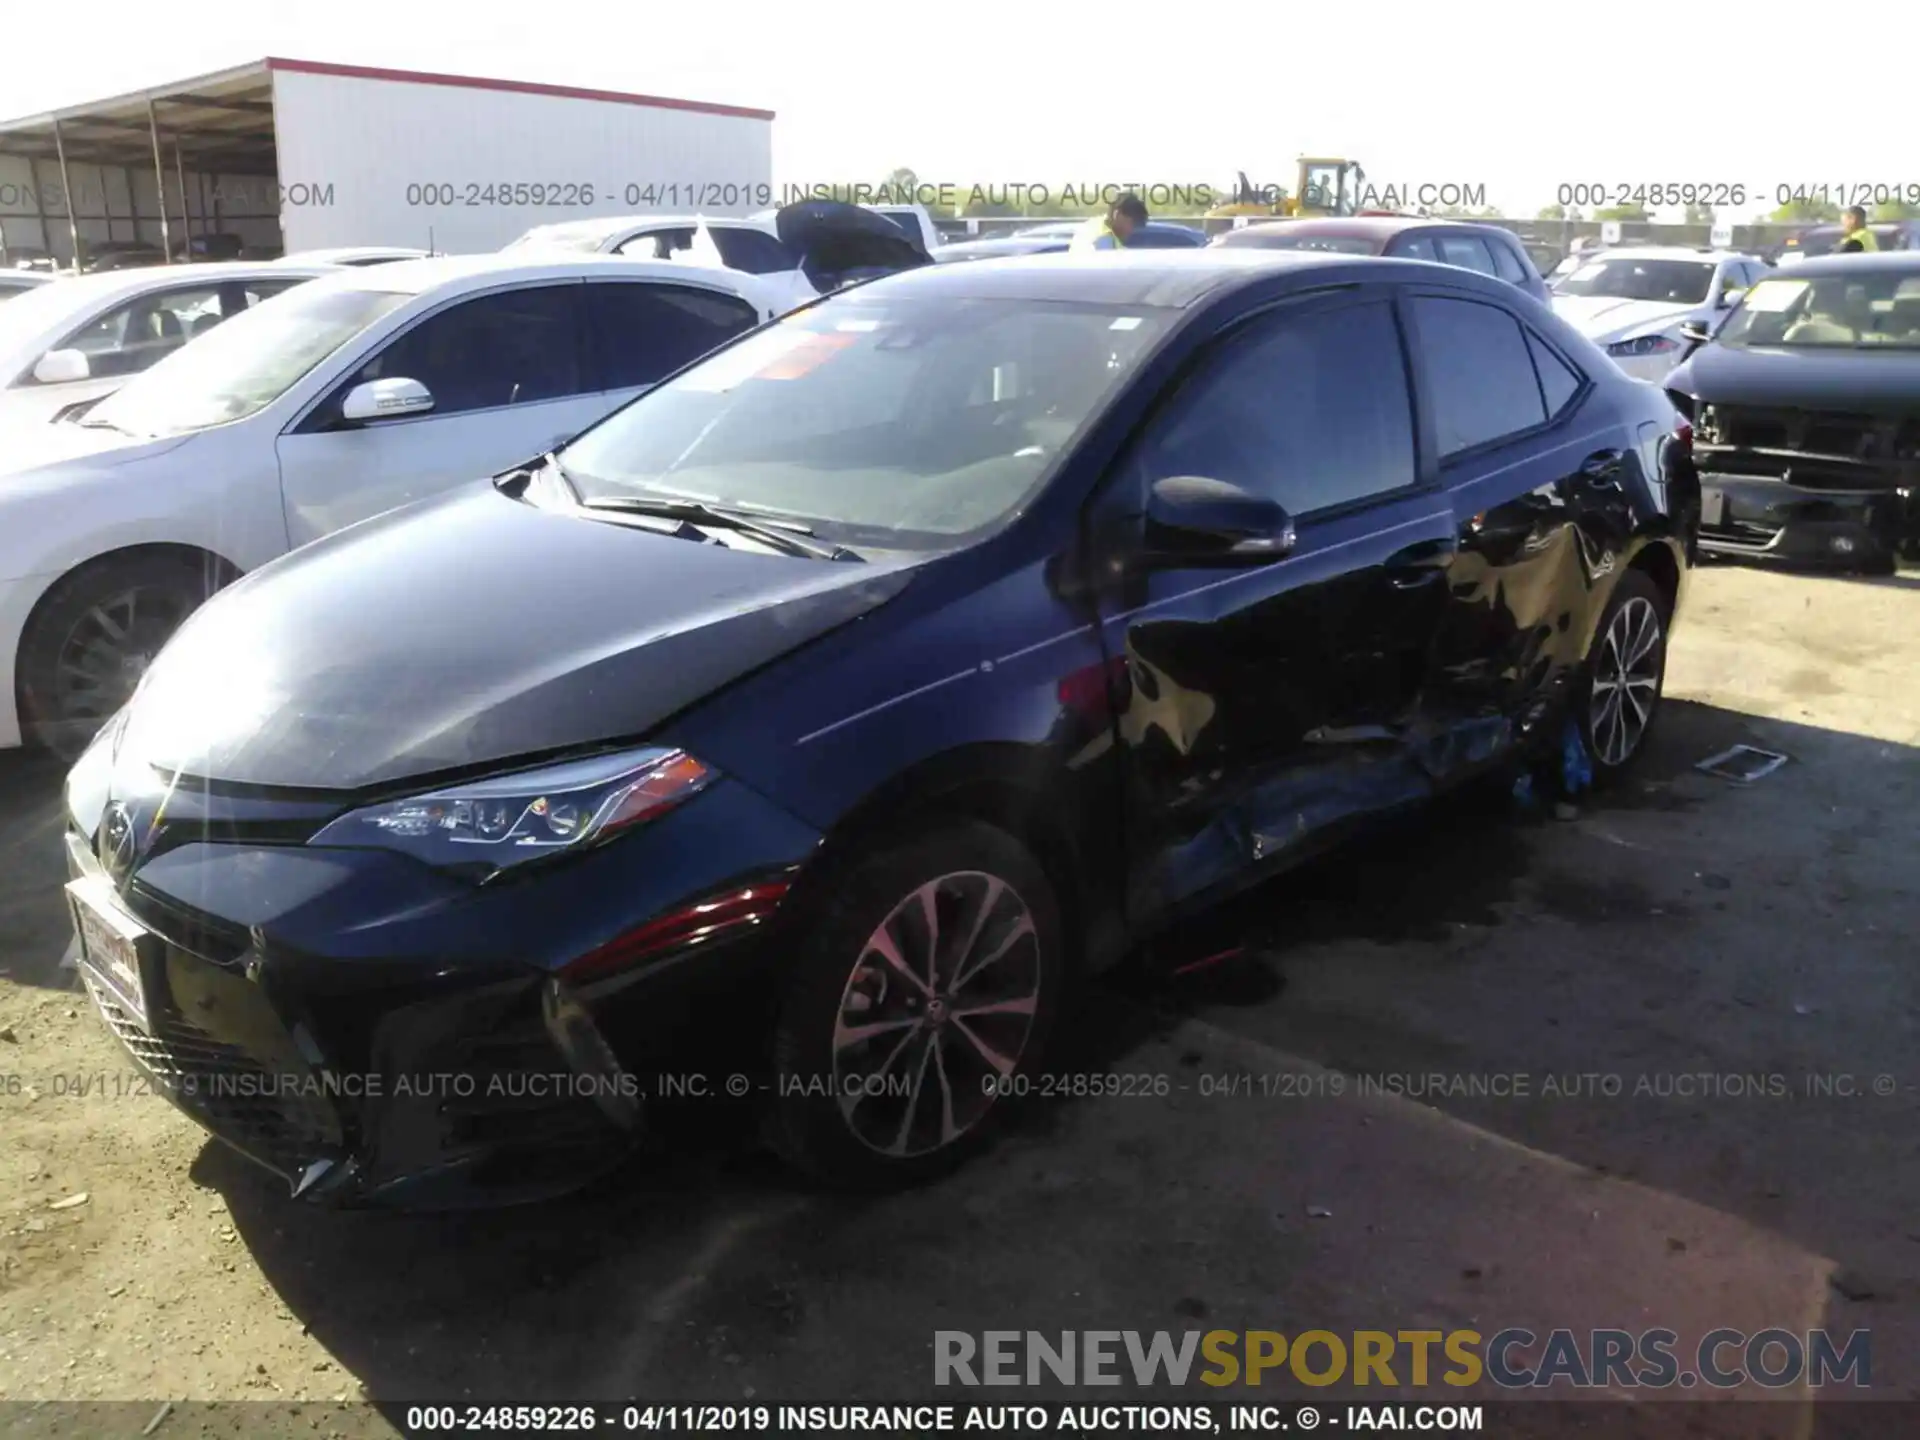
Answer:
(1763, 519)
(394, 1038)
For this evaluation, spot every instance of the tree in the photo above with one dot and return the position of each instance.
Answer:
(1699, 214)
(1622, 212)
(1469, 212)
(1802, 211)
(1896, 210)
(902, 182)
(1552, 212)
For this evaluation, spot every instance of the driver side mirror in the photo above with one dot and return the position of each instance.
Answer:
(1196, 520)
(1729, 299)
(1696, 331)
(62, 367)
(385, 399)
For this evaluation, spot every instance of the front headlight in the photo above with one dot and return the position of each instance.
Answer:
(489, 825)
(1644, 345)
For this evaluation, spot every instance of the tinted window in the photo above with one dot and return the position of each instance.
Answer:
(754, 251)
(132, 336)
(515, 347)
(258, 290)
(1469, 252)
(1506, 263)
(1311, 410)
(1559, 381)
(645, 330)
(656, 244)
(1164, 237)
(1414, 247)
(1478, 372)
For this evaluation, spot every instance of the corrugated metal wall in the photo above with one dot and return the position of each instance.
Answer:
(389, 162)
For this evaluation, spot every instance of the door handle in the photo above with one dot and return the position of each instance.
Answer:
(1422, 563)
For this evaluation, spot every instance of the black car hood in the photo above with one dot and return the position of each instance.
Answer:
(834, 238)
(467, 630)
(1855, 381)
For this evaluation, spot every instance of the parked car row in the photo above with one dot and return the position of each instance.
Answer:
(827, 685)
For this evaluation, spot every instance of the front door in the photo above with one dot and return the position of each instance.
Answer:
(510, 377)
(1263, 708)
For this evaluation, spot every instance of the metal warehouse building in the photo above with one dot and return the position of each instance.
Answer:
(297, 155)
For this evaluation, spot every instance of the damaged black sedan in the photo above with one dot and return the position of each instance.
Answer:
(1806, 416)
(848, 696)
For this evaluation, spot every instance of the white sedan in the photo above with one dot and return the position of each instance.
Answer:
(72, 341)
(355, 255)
(802, 251)
(350, 396)
(1632, 302)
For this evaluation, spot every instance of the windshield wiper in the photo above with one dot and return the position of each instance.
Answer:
(786, 536)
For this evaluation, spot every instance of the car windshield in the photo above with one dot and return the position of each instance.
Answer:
(1876, 310)
(898, 423)
(1280, 237)
(1672, 282)
(244, 364)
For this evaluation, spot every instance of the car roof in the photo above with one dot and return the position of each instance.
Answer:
(1881, 262)
(1369, 227)
(616, 224)
(331, 255)
(417, 277)
(112, 284)
(1174, 279)
(1671, 252)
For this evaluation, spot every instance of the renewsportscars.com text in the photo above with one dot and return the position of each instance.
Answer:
(1511, 1359)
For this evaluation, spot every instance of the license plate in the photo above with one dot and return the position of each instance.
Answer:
(1713, 507)
(110, 944)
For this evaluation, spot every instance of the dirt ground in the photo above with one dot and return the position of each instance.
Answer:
(1709, 991)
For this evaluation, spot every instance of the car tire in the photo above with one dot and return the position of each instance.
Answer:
(885, 1078)
(1621, 685)
(91, 638)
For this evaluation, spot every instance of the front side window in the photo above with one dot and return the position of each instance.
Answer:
(244, 365)
(1311, 410)
(513, 347)
(138, 333)
(1506, 263)
(1479, 373)
(905, 422)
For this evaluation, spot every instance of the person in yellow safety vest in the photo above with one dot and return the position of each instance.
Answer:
(1855, 237)
(1112, 230)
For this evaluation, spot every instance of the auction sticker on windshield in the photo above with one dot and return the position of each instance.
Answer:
(782, 353)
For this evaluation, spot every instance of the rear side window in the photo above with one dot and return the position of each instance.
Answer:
(1415, 247)
(644, 330)
(1469, 252)
(754, 251)
(1506, 263)
(1559, 381)
(1479, 373)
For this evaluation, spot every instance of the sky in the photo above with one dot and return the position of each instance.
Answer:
(1523, 100)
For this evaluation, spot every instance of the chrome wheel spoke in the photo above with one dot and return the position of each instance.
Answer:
(942, 997)
(1002, 1064)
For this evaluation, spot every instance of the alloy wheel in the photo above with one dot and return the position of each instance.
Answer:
(1626, 681)
(936, 1014)
(110, 647)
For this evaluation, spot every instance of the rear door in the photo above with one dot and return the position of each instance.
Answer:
(1531, 459)
(1261, 707)
(510, 376)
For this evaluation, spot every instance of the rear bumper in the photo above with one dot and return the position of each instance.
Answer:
(1764, 519)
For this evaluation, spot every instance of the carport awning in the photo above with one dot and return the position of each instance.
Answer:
(221, 123)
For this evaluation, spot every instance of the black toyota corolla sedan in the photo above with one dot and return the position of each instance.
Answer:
(848, 696)
(1806, 415)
